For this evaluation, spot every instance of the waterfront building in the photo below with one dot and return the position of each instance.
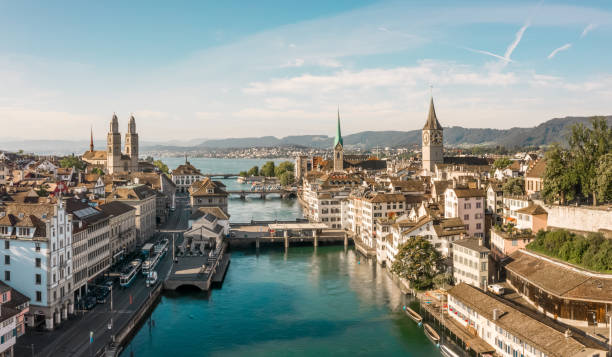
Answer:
(323, 194)
(37, 258)
(185, 175)
(208, 193)
(432, 144)
(122, 228)
(116, 160)
(561, 290)
(440, 232)
(471, 262)
(362, 210)
(534, 176)
(91, 243)
(222, 217)
(515, 331)
(469, 205)
(144, 200)
(205, 233)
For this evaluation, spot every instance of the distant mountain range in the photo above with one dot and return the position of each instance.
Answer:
(551, 131)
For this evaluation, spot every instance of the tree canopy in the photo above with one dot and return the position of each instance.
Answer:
(161, 166)
(253, 171)
(514, 186)
(502, 163)
(592, 252)
(418, 262)
(267, 169)
(72, 161)
(581, 170)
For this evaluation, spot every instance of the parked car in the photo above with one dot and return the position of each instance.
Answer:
(496, 289)
(101, 294)
(89, 302)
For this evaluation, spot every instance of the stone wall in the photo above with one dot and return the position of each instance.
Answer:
(581, 218)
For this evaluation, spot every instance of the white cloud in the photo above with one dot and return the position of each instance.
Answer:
(587, 30)
(559, 49)
(298, 62)
(517, 40)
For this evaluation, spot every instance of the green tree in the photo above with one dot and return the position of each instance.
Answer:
(97, 171)
(149, 159)
(418, 262)
(161, 166)
(72, 161)
(514, 186)
(502, 163)
(282, 168)
(267, 169)
(287, 178)
(603, 174)
(243, 174)
(253, 171)
(587, 145)
(560, 181)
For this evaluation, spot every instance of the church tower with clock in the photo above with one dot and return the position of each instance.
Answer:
(433, 147)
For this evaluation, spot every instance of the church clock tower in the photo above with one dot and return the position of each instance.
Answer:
(433, 147)
(338, 149)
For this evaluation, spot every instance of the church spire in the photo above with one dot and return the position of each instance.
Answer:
(338, 133)
(432, 120)
(91, 146)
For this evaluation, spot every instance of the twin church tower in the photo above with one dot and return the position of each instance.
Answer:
(432, 146)
(113, 160)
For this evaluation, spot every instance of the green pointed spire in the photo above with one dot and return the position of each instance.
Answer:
(338, 134)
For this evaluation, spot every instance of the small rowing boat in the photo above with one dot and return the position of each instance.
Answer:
(431, 334)
(413, 315)
(447, 352)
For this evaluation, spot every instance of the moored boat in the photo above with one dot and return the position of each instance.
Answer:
(448, 352)
(431, 334)
(413, 315)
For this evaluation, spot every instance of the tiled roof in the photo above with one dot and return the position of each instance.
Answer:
(537, 169)
(215, 211)
(533, 209)
(472, 244)
(116, 208)
(468, 192)
(95, 155)
(387, 197)
(132, 192)
(200, 188)
(186, 169)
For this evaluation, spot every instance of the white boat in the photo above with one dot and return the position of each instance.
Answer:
(151, 278)
(129, 273)
(448, 352)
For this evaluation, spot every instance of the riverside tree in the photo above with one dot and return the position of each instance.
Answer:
(418, 262)
(514, 186)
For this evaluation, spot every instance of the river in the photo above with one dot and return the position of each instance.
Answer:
(328, 301)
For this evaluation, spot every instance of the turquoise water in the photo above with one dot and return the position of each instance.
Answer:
(328, 302)
(306, 302)
(253, 207)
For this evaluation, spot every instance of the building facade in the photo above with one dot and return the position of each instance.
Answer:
(468, 205)
(471, 262)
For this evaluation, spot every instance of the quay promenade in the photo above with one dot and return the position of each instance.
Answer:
(72, 337)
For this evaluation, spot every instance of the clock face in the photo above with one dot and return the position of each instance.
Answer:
(436, 137)
(426, 138)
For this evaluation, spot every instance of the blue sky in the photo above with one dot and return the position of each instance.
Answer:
(234, 69)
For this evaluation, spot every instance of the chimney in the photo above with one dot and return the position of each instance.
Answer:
(480, 242)
(478, 184)
(454, 183)
(496, 314)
